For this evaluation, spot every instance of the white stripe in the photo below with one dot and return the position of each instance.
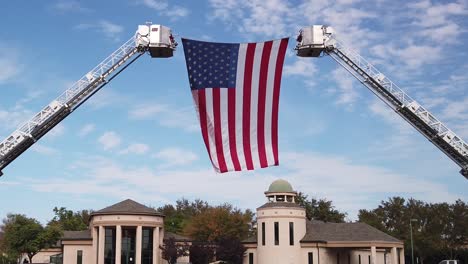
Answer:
(239, 104)
(210, 125)
(225, 129)
(269, 101)
(254, 105)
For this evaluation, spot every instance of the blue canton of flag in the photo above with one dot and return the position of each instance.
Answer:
(211, 64)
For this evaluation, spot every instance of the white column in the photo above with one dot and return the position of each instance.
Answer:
(118, 244)
(373, 255)
(394, 253)
(138, 245)
(402, 256)
(102, 236)
(95, 245)
(156, 245)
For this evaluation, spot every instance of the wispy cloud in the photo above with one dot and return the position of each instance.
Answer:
(10, 65)
(105, 27)
(109, 140)
(166, 115)
(65, 6)
(173, 12)
(175, 157)
(44, 150)
(136, 148)
(86, 130)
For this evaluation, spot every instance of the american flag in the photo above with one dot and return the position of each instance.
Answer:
(236, 90)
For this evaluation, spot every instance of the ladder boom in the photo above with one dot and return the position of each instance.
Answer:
(160, 44)
(317, 40)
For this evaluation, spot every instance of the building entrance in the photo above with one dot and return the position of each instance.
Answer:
(128, 245)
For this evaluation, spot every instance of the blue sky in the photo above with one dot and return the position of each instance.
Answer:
(139, 138)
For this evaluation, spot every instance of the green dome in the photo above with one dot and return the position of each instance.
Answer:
(280, 186)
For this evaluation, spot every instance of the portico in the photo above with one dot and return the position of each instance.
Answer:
(127, 233)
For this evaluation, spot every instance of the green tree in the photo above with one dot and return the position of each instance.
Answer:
(218, 222)
(180, 215)
(320, 209)
(69, 220)
(27, 235)
(439, 229)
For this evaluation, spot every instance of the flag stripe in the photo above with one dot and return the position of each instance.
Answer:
(276, 93)
(223, 94)
(199, 97)
(249, 61)
(254, 104)
(211, 128)
(269, 102)
(217, 129)
(232, 128)
(261, 104)
(239, 105)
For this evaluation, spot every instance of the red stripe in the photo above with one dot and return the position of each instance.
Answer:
(276, 93)
(232, 128)
(217, 129)
(261, 103)
(201, 103)
(249, 60)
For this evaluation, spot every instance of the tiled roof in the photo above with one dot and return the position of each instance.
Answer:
(318, 231)
(128, 207)
(178, 238)
(77, 235)
(250, 240)
(280, 204)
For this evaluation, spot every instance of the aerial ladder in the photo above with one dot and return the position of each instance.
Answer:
(318, 40)
(157, 40)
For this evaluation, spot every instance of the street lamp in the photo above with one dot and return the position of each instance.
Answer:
(411, 234)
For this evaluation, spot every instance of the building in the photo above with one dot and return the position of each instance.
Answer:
(285, 236)
(131, 233)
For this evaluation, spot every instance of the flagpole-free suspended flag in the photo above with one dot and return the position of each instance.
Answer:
(236, 90)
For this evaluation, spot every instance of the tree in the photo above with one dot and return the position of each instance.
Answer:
(230, 250)
(69, 220)
(178, 217)
(439, 229)
(201, 252)
(218, 222)
(321, 209)
(173, 250)
(27, 235)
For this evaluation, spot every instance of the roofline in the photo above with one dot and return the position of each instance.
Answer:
(126, 213)
(352, 242)
(293, 192)
(76, 239)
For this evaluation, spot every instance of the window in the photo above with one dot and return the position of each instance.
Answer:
(291, 233)
(276, 233)
(79, 257)
(359, 257)
(349, 258)
(251, 258)
(263, 233)
(369, 260)
(337, 258)
(109, 245)
(128, 245)
(311, 258)
(147, 246)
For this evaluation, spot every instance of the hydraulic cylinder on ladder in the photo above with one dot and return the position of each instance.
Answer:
(316, 40)
(155, 39)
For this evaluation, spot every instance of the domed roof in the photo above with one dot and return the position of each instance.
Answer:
(280, 186)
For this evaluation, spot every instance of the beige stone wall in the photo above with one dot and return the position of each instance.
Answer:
(70, 253)
(283, 253)
(246, 256)
(130, 220)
